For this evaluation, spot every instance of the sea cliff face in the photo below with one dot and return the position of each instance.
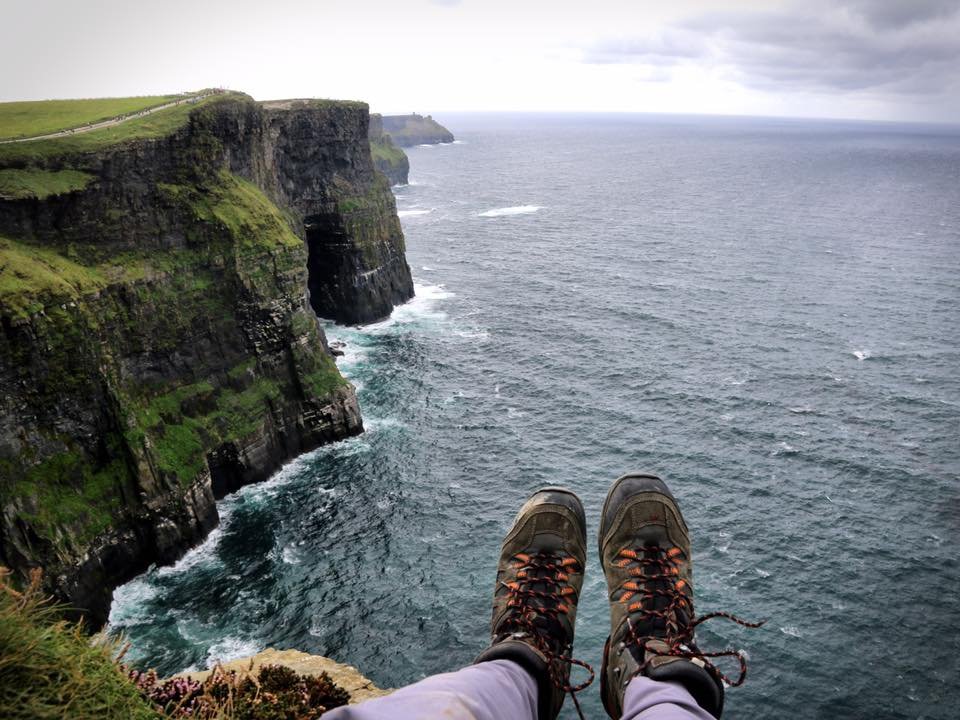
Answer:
(387, 157)
(158, 340)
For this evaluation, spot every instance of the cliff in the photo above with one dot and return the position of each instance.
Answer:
(158, 340)
(387, 157)
(409, 130)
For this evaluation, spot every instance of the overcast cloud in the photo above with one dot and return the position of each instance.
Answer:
(878, 59)
(883, 47)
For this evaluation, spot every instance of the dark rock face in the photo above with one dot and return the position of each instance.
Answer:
(410, 130)
(358, 270)
(173, 355)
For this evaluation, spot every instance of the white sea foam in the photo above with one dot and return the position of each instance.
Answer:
(231, 648)
(422, 306)
(473, 334)
(861, 354)
(801, 410)
(129, 603)
(514, 210)
(426, 268)
(203, 553)
(346, 448)
(762, 573)
(784, 448)
(377, 424)
(317, 628)
(792, 631)
(412, 213)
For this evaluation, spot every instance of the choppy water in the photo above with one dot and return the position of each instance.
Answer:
(765, 312)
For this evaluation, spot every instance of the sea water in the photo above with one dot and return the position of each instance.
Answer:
(764, 312)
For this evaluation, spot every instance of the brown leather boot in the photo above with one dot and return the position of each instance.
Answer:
(645, 554)
(539, 577)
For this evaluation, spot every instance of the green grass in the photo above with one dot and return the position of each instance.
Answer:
(41, 117)
(180, 439)
(32, 276)
(50, 670)
(385, 152)
(239, 207)
(157, 125)
(33, 183)
(69, 494)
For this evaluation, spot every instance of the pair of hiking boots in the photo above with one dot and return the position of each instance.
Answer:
(645, 554)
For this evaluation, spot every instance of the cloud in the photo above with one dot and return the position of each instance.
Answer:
(889, 14)
(668, 47)
(896, 47)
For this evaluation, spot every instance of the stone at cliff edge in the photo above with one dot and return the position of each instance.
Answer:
(346, 676)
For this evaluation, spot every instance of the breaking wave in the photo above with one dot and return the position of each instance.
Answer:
(514, 210)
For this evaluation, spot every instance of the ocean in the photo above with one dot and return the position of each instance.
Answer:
(764, 312)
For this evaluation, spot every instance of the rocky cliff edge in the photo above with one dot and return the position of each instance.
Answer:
(159, 345)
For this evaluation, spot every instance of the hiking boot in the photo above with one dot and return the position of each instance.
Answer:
(539, 576)
(645, 554)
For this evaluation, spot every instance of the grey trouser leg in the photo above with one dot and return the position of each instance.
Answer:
(495, 690)
(647, 699)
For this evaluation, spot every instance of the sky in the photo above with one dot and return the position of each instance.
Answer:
(870, 59)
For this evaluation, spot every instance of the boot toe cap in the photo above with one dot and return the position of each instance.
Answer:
(625, 488)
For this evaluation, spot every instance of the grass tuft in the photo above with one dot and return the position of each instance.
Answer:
(50, 670)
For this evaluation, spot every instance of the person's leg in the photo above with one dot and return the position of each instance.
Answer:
(525, 673)
(647, 699)
(652, 667)
(488, 691)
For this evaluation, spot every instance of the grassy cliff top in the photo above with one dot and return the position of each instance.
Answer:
(322, 103)
(413, 129)
(155, 125)
(39, 117)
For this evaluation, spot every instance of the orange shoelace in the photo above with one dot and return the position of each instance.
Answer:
(552, 574)
(658, 573)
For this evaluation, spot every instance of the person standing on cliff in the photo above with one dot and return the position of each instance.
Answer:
(652, 668)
